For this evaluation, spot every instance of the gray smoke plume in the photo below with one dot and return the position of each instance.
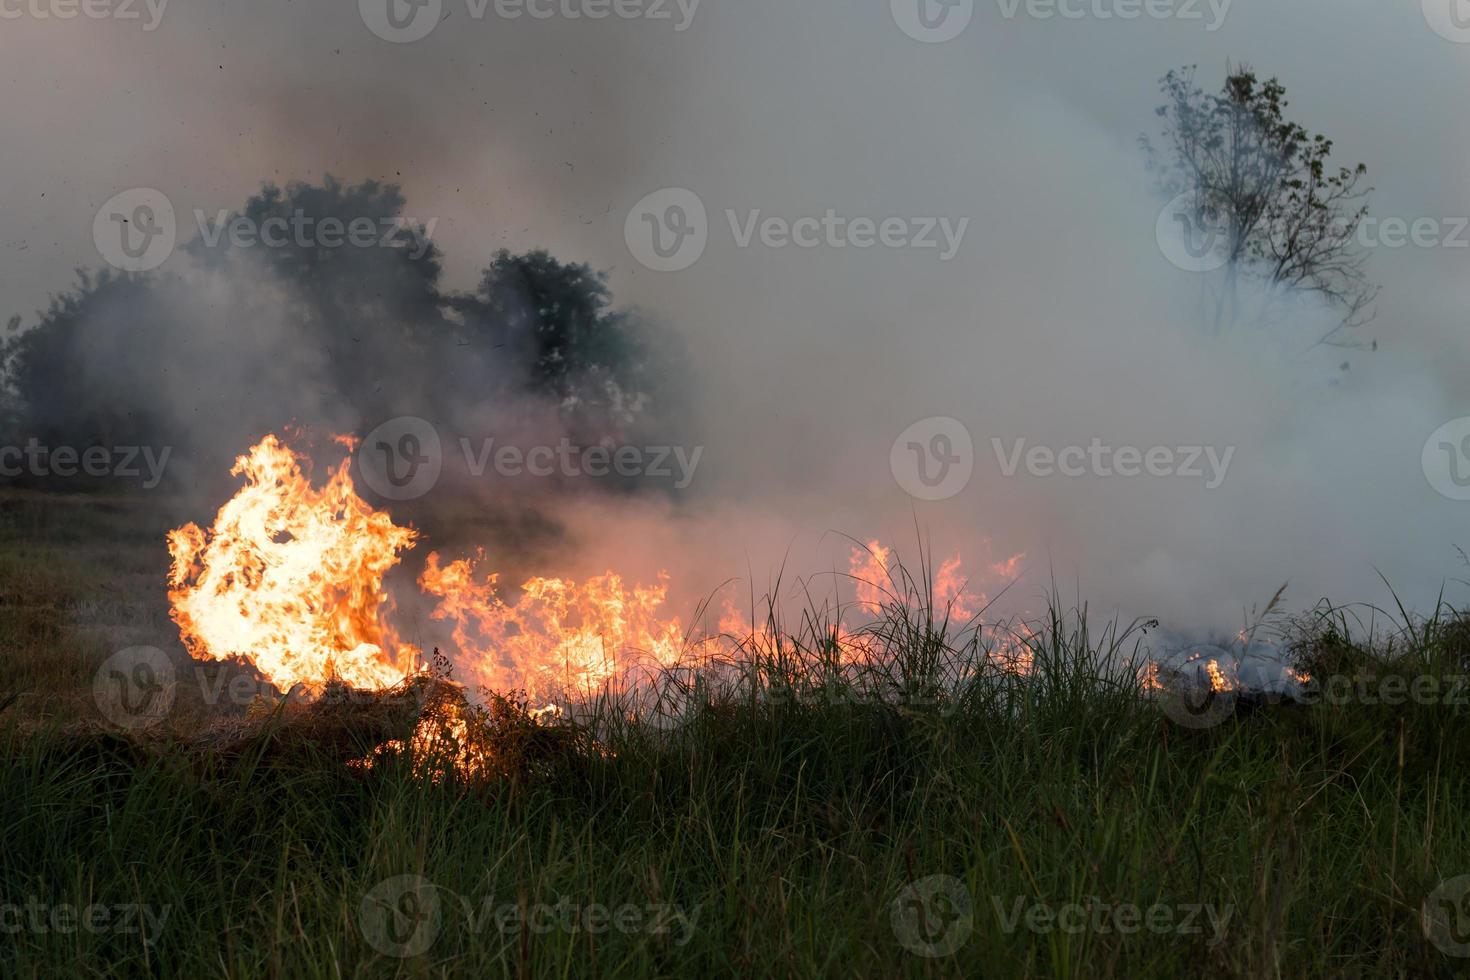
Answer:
(1057, 321)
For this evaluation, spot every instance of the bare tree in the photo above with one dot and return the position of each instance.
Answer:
(1262, 186)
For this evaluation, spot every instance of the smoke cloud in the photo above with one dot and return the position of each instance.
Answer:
(1057, 321)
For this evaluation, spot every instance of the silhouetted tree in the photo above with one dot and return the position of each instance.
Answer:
(557, 319)
(1283, 216)
(251, 335)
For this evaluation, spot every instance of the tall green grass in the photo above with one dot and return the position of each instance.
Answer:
(779, 807)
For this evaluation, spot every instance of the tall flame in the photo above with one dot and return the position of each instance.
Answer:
(291, 578)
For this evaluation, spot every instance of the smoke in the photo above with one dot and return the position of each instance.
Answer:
(1058, 322)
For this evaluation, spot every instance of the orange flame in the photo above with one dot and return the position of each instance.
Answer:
(291, 578)
(1218, 681)
(558, 636)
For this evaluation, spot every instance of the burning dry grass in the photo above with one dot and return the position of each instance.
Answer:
(789, 781)
(291, 577)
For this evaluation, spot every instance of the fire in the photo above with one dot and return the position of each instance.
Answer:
(872, 570)
(1148, 677)
(291, 578)
(442, 741)
(1218, 681)
(557, 635)
(869, 568)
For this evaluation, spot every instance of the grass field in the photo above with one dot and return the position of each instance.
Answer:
(1059, 825)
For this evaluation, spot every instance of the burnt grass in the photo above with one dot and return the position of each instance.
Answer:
(766, 828)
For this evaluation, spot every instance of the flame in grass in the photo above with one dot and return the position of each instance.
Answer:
(873, 569)
(948, 597)
(558, 635)
(1148, 677)
(290, 577)
(1219, 683)
(1154, 679)
(459, 741)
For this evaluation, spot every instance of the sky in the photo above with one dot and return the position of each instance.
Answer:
(1045, 314)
